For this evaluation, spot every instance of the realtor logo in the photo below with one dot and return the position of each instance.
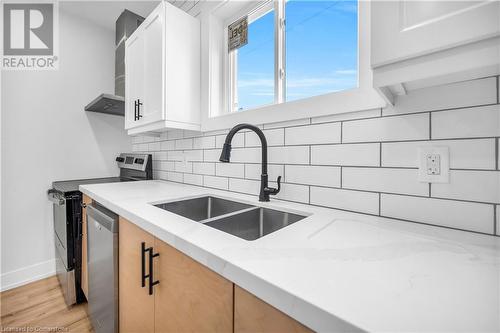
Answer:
(29, 36)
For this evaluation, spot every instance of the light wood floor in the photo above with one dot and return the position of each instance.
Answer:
(41, 304)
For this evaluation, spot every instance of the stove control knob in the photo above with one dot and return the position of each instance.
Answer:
(139, 161)
(120, 159)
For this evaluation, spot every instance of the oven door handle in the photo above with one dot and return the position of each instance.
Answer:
(56, 197)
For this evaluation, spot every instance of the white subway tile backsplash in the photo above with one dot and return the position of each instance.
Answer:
(160, 155)
(230, 170)
(313, 134)
(193, 179)
(466, 123)
(364, 202)
(160, 174)
(253, 171)
(167, 145)
(174, 176)
(211, 155)
(136, 139)
(348, 116)
(483, 186)
(289, 123)
(244, 155)
(396, 128)
(184, 144)
(402, 181)
(237, 141)
(204, 168)
(244, 186)
(456, 95)
(183, 166)
(153, 146)
(455, 214)
(167, 165)
(288, 155)
(360, 161)
(193, 155)
(216, 182)
(274, 137)
(175, 155)
(204, 142)
(359, 154)
(313, 175)
(464, 154)
(293, 192)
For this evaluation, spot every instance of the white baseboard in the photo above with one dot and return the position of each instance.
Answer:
(27, 274)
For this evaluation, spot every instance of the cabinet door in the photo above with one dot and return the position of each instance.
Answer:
(136, 306)
(190, 297)
(153, 35)
(252, 315)
(85, 273)
(404, 29)
(134, 77)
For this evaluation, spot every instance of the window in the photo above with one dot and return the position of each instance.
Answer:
(296, 49)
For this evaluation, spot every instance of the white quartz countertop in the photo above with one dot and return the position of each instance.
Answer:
(334, 270)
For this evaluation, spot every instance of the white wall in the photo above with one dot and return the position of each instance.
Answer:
(47, 136)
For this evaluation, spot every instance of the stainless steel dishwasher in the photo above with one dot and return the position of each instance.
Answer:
(102, 231)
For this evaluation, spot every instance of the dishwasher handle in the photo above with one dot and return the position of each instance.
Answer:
(103, 217)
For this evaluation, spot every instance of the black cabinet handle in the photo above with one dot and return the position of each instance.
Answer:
(135, 110)
(152, 283)
(143, 264)
(139, 115)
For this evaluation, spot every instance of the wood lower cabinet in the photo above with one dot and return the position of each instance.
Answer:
(252, 315)
(188, 298)
(136, 306)
(85, 273)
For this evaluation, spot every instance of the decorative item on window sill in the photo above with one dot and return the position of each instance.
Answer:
(237, 34)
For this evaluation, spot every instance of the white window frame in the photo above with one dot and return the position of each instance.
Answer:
(216, 115)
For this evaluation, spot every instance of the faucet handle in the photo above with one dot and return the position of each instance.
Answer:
(274, 191)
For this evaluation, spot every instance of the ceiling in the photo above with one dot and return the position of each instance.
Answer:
(105, 13)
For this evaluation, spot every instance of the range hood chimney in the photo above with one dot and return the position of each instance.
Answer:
(115, 104)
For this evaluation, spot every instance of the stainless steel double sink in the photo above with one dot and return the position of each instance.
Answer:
(236, 218)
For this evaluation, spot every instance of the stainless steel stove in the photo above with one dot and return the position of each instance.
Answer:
(67, 205)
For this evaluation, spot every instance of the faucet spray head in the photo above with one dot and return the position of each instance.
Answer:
(226, 153)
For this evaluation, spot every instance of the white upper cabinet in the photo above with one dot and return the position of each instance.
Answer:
(421, 43)
(162, 67)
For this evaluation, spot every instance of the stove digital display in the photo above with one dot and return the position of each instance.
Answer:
(129, 160)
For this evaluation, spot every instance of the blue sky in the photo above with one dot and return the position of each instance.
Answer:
(321, 50)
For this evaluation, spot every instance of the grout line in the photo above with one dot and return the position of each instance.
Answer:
(495, 212)
(341, 168)
(379, 204)
(380, 155)
(430, 125)
(309, 200)
(498, 89)
(497, 157)
(430, 190)
(341, 131)
(342, 143)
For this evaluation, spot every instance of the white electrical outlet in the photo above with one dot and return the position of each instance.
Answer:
(434, 164)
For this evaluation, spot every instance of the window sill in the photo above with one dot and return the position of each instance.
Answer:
(335, 103)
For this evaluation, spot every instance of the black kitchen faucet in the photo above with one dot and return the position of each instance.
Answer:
(225, 155)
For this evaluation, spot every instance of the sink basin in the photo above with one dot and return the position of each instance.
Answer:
(255, 223)
(203, 208)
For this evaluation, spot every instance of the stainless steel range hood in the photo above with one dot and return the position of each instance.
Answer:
(115, 104)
